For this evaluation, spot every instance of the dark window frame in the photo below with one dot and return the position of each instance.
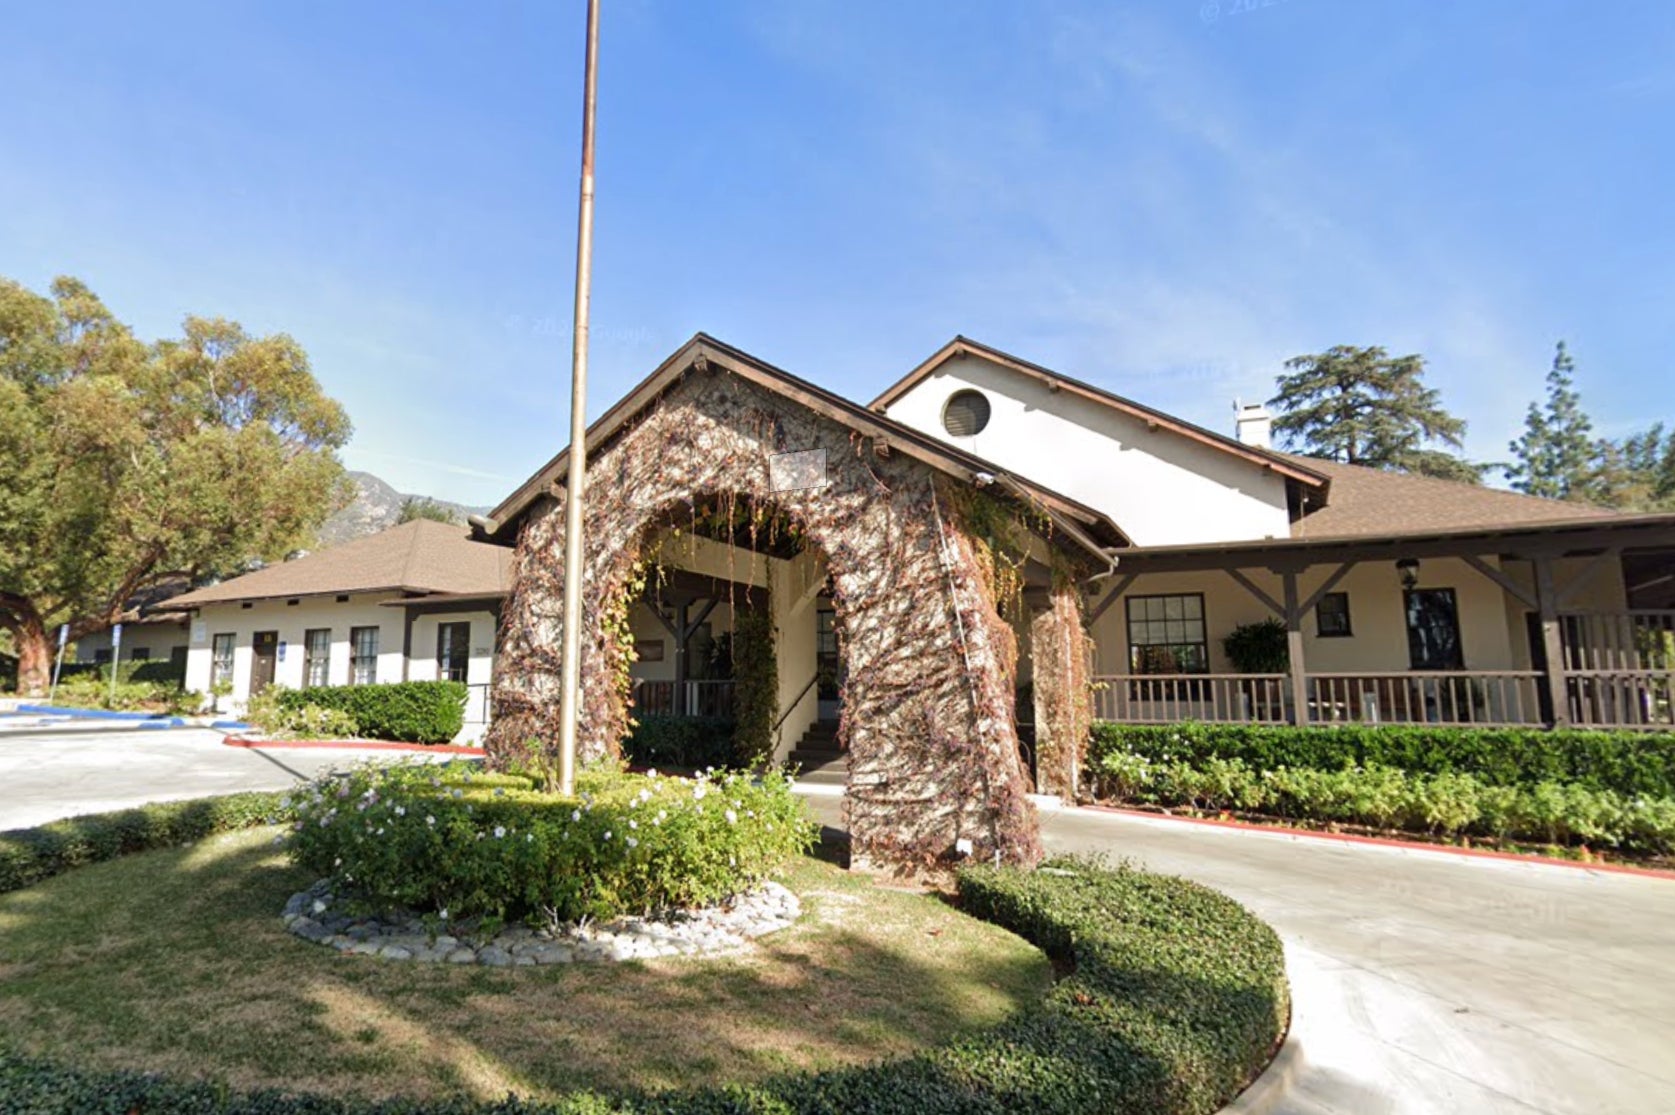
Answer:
(1321, 614)
(310, 659)
(359, 658)
(221, 668)
(1141, 659)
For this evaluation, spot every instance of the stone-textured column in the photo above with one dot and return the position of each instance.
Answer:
(1063, 693)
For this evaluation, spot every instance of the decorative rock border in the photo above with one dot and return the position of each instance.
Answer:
(710, 931)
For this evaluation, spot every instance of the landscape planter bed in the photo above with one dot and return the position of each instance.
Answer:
(1173, 998)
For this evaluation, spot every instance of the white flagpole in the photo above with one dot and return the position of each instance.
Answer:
(576, 485)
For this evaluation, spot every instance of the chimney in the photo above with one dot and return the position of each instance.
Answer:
(1255, 424)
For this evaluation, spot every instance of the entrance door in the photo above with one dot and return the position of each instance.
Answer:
(829, 666)
(266, 647)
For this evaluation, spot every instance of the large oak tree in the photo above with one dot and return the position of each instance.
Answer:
(125, 464)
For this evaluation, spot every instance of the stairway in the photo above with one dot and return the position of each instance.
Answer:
(818, 756)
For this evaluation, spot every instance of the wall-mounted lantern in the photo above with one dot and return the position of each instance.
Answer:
(1408, 570)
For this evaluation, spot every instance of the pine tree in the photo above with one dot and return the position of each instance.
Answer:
(1363, 407)
(1558, 457)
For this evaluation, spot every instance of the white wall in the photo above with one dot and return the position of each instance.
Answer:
(1377, 617)
(159, 639)
(795, 599)
(1159, 487)
(291, 621)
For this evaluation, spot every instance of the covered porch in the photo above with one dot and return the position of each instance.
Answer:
(1565, 625)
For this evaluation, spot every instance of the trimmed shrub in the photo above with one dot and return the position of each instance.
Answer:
(1174, 999)
(1634, 764)
(1446, 804)
(681, 743)
(28, 856)
(470, 843)
(407, 711)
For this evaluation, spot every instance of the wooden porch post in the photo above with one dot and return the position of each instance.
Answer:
(1552, 641)
(1294, 648)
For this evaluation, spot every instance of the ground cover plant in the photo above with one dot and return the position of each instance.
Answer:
(176, 961)
(458, 840)
(1567, 789)
(1172, 997)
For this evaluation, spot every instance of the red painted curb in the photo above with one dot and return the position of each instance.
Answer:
(1388, 842)
(358, 745)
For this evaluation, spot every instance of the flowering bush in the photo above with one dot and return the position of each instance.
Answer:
(458, 841)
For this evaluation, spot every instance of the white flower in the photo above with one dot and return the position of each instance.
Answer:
(401, 811)
(699, 791)
(632, 843)
(607, 834)
(499, 831)
(732, 818)
(429, 820)
(529, 838)
(633, 824)
(575, 814)
(443, 915)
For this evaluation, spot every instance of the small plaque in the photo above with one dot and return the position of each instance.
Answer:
(649, 650)
(799, 471)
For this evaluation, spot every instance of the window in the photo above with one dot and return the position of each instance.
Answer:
(221, 660)
(317, 656)
(1331, 616)
(966, 413)
(102, 657)
(1166, 635)
(363, 655)
(1433, 630)
(453, 651)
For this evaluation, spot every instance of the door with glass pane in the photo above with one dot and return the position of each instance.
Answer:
(453, 651)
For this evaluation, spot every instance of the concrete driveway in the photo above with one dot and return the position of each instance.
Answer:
(50, 770)
(1428, 983)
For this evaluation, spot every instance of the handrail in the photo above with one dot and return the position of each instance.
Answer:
(795, 701)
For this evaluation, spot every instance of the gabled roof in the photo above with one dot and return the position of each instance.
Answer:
(1293, 469)
(1088, 527)
(1372, 502)
(420, 557)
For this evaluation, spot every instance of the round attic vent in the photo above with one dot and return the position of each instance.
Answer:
(966, 414)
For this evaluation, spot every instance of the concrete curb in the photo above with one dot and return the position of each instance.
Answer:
(1269, 1090)
(352, 745)
(90, 713)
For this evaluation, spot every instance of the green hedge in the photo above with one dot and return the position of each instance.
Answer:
(1446, 804)
(407, 711)
(1175, 997)
(28, 856)
(682, 743)
(1629, 763)
(159, 671)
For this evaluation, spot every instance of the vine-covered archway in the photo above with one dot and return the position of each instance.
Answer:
(934, 762)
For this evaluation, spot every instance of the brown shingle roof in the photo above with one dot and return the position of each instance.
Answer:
(420, 557)
(1369, 502)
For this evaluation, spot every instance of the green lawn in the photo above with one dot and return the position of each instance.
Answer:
(176, 961)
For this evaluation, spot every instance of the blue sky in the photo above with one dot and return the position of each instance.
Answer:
(1164, 198)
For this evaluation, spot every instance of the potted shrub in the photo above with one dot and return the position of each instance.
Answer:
(1260, 648)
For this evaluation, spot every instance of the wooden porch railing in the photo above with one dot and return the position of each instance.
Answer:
(684, 698)
(1620, 698)
(1480, 698)
(1168, 698)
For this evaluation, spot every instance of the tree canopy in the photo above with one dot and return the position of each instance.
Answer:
(423, 507)
(1557, 457)
(123, 463)
(1362, 406)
